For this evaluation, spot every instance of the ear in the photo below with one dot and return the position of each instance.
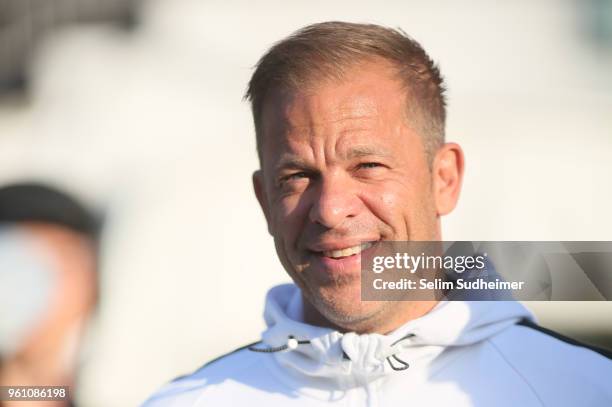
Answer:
(262, 198)
(447, 171)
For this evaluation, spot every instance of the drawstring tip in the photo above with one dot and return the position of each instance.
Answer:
(404, 365)
(291, 344)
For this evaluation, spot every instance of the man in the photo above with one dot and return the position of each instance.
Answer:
(48, 286)
(349, 121)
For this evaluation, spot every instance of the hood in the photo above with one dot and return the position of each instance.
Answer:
(323, 353)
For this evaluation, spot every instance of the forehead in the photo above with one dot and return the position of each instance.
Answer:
(369, 97)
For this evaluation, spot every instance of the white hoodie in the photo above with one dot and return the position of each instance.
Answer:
(461, 353)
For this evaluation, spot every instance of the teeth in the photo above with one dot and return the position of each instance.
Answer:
(349, 251)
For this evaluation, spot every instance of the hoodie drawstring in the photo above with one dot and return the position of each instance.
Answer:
(404, 364)
(293, 343)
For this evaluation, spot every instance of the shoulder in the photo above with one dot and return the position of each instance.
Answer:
(530, 341)
(573, 343)
(227, 372)
(555, 367)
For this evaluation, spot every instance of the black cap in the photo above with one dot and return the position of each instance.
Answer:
(34, 202)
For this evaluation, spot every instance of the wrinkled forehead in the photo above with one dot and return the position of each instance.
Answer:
(366, 101)
(303, 113)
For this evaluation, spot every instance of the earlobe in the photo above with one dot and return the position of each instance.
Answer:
(448, 177)
(260, 193)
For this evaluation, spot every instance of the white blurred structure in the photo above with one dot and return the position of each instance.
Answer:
(152, 126)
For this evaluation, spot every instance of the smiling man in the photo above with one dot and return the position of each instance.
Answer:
(343, 167)
(349, 120)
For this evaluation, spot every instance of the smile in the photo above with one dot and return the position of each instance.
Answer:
(346, 252)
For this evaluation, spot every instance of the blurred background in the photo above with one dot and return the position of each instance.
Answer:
(135, 109)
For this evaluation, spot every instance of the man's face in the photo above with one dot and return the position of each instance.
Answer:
(341, 170)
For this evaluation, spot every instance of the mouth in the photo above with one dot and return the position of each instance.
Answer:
(333, 260)
(346, 252)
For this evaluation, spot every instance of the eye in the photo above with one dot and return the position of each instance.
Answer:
(370, 170)
(294, 182)
(369, 165)
(293, 177)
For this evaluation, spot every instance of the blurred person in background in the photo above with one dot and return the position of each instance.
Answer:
(48, 285)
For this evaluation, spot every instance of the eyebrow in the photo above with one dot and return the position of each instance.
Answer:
(366, 151)
(289, 160)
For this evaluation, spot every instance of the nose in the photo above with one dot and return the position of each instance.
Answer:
(334, 202)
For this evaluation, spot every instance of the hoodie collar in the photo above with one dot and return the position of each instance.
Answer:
(327, 353)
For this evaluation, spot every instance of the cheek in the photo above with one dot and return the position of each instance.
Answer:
(388, 203)
(290, 213)
(399, 205)
(388, 200)
(393, 209)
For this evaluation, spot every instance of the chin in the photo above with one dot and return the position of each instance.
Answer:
(342, 306)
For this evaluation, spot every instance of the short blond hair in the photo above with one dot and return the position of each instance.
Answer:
(325, 49)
